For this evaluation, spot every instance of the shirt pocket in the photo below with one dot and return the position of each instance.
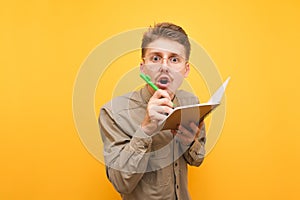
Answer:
(158, 178)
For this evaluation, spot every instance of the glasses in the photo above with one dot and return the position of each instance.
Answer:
(176, 62)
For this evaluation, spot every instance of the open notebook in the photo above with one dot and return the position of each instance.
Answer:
(193, 113)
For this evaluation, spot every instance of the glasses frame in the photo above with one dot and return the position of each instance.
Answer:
(147, 60)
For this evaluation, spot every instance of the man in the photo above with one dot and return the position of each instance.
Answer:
(143, 162)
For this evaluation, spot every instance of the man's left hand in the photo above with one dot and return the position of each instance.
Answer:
(187, 136)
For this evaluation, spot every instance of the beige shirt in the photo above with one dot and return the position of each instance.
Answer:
(142, 167)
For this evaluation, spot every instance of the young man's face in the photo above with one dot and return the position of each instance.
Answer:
(165, 62)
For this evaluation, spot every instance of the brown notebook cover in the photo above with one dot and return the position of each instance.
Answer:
(184, 115)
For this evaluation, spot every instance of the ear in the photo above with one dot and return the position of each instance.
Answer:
(186, 70)
(142, 68)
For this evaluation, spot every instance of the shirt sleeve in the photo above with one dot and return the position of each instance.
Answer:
(126, 156)
(194, 155)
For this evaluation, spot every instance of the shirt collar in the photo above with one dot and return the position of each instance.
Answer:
(145, 94)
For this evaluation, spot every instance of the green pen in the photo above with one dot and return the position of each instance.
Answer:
(148, 80)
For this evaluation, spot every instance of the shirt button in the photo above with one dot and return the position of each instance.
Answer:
(175, 164)
(177, 186)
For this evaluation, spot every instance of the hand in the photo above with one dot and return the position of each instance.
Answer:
(185, 136)
(159, 106)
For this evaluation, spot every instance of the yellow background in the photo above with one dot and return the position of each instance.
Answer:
(43, 44)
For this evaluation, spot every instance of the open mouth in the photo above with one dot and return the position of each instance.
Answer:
(163, 82)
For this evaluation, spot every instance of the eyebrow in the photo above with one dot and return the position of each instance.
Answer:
(160, 53)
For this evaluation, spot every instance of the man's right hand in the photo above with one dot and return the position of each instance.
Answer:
(159, 106)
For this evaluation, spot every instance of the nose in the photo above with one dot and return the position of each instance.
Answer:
(164, 61)
(164, 68)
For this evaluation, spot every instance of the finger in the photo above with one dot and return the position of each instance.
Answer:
(161, 109)
(158, 117)
(185, 132)
(165, 101)
(161, 93)
(162, 101)
(183, 138)
(194, 127)
(158, 113)
(180, 136)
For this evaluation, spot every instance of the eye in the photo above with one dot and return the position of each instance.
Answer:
(155, 58)
(174, 59)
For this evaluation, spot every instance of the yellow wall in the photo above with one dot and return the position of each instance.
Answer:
(43, 44)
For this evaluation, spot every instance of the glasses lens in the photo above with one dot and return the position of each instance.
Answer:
(155, 59)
